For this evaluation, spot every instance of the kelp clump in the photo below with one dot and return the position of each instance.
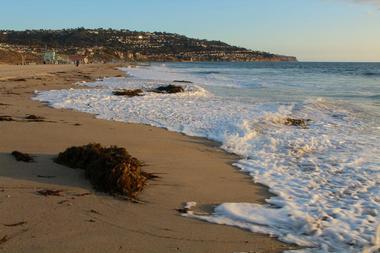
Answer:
(109, 169)
(128, 93)
(6, 118)
(303, 123)
(169, 89)
(34, 118)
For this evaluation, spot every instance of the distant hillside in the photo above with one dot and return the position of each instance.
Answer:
(104, 45)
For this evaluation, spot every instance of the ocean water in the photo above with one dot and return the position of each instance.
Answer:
(325, 177)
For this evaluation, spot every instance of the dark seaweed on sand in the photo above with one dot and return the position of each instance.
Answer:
(22, 157)
(4, 239)
(6, 118)
(48, 192)
(109, 169)
(35, 118)
(17, 80)
(15, 224)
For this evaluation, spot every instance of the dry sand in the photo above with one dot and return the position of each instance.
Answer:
(191, 169)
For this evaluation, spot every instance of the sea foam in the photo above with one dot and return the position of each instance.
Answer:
(325, 177)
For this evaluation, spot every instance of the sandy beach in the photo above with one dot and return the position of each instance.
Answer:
(190, 169)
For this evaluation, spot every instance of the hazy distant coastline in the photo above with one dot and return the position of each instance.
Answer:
(109, 45)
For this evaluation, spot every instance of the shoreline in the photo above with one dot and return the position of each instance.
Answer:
(191, 169)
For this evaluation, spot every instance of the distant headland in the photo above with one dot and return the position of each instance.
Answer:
(110, 45)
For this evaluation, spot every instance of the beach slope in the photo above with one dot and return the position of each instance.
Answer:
(82, 220)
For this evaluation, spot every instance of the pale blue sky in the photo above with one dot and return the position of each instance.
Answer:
(321, 30)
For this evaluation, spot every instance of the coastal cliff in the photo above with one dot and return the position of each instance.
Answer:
(109, 45)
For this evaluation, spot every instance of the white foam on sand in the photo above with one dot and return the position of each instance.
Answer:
(326, 177)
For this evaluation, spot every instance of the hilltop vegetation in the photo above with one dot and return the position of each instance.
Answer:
(125, 45)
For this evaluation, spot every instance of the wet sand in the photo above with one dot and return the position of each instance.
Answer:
(190, 169)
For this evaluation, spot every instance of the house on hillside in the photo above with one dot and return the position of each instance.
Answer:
(74, 59)
(49, 57)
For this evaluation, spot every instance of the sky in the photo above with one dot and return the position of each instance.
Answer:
(311, 30)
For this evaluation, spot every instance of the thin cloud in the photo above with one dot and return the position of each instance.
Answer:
(368, 1)
(374, 2)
